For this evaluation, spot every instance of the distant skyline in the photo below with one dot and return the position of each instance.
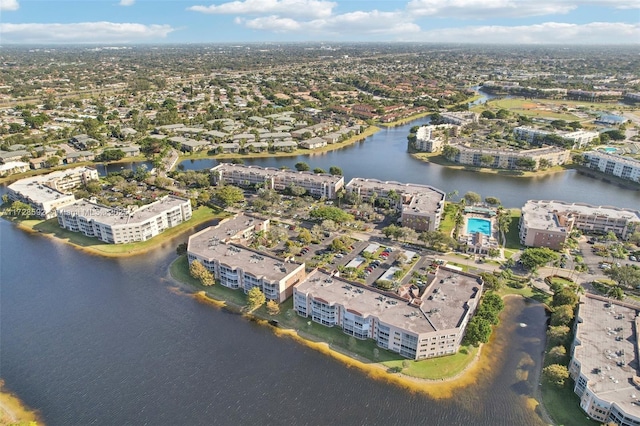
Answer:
(583, 22)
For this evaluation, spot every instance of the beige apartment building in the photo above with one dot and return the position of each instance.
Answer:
(604, 360)
(510, 158)
(119, 226)
(317, 184)
(421, 206)
(549, 223)
(419, 326)
(220, 249)
(47, 193)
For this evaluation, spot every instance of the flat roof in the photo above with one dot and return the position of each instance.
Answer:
(210, 244)
(287, 175)
(608, 351)
(543, 213)
(449, 290)
(113, 216)
(39, 189)
(403, 188)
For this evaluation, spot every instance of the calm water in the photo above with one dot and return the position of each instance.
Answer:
(94, 341)
(384, 156)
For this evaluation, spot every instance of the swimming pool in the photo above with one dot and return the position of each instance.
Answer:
(609, 150)
(478, 225)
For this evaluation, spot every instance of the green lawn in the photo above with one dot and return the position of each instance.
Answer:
(531, 108)
(437, 368)
(527, 291)
(513, 237)
(563, 405)
(447, 223)
(50, 227)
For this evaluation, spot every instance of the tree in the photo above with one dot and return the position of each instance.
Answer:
(302, 166)
(555, 374)
(319, 170)
(472, 198)
(332, 213)
(181, 249)
(616, 292)
(111, 155)
(198, 271)
(558, 354)
(228, 195)
(491, 281)
(627, 276)
(141, 173)
(616, 135)
(492, 201)
(534, 257)
(255, 299)
(335, 170)
(562, 315)
(558, 335)
(273, 308)
(488, 115)
(478, 331)
(304, 236)
(449, 152)
(566, 296)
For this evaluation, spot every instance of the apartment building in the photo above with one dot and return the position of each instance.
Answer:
(612, 164)
(422, 325)
(510, 158)
(604, 360)
(579, 138)
(549, 223)
(460, 118)
(47, 193)
(428, 141)
(421, 206)
(119, 226)
(219, 248)
(317, 184)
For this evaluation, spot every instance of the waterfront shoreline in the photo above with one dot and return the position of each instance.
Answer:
(479, 366)
(133, 249)
(13, 410)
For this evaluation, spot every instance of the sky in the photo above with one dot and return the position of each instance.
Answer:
(106, 22)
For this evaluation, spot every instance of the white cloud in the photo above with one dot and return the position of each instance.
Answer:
(545, 33)
(286, 8)
(83, 32)
(481, 9)
(617, 4)
(360, 23)
(127, 2)
(9, 5)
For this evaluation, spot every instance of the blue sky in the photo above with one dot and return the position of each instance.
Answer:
(202, 21)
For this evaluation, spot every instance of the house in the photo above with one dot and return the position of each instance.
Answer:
(13, 167)
(313, 143)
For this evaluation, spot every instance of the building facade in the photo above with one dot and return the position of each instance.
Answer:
(317, 184)
(47, 193)
(421, 326)
(219, 249)
(604, 360)
(119, 226)
(511, 159)
(616, 165)
(421, 206)
(549, 223)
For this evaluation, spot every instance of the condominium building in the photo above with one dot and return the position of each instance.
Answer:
(47, 193)
(423, 325)
(549, 223)
(530, 134)
(119, 226)
(617, 165)
(579, 138)
(421, 206)
(219, 249)
(604, 360)
(460, 118)
(427, 141)
(317, 184)
(510, 158)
